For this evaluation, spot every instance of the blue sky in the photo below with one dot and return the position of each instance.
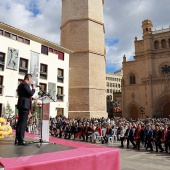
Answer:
(122, 19)
(33, 8)
(110, 68)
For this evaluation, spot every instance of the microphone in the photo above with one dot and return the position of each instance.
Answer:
(38, 86)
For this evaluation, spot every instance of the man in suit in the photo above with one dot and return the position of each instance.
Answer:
(24, 106)
(157, 138)
(148, 135)
(129, 136)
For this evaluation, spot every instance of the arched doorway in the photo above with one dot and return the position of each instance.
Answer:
(166, 110)
(162, 106)
(134, 113)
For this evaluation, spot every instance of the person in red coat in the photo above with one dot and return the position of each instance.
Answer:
(164, 135)
(139, 134)
(167, 140)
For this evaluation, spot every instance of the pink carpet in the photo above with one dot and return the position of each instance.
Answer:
(84, 157)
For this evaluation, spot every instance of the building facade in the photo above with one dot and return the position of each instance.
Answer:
(113, 92)
(146, 79)
(21, 53)
(113, 82)
(82, 31)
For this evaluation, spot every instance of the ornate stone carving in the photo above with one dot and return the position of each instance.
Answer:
(12, 58)
(133, 96)
(52, 89)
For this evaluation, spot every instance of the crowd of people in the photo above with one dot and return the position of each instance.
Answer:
(144, 133)
(149, 133)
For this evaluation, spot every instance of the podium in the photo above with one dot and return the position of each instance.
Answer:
(44, 117)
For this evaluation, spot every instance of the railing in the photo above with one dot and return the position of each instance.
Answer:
(161, 31)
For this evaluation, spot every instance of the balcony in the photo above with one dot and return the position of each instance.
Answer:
(23, 70)
(60, 97)
(60, 79)
(43, 75)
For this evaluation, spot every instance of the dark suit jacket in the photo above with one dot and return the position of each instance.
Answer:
(157, 134)
(25, 94)
(130, 133)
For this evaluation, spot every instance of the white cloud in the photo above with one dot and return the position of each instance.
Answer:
(20, 14)
(123, 19)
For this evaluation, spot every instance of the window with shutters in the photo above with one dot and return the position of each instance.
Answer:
(2, 61)
(60, 95)
(1, 85)
(43, 71)
(23, 66)
(44, 49)
(60, 76)
(60, 55)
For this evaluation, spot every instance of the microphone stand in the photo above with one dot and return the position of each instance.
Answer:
(42, 95)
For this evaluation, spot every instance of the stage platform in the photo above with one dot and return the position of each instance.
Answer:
(64, 155)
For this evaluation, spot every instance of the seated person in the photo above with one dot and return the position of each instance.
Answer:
(88, 130)
(97, 132)
(108, 133)
(80, 132)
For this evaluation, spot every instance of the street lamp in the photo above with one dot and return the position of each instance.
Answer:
(116, 105)
(142, 111)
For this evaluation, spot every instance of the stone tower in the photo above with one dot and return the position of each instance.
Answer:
(147, 34)
(82, 31)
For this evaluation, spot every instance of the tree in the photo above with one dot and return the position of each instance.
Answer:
(8, 111)
(36, 109)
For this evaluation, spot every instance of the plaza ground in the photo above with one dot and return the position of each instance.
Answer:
(132, 159)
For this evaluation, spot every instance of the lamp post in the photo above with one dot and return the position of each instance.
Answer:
(116, 105)
(142, 111)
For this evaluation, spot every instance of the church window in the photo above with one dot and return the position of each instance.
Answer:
(132, 79)
(156, 44)
(163, 43)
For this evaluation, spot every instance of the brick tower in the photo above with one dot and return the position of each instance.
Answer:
(82, 31)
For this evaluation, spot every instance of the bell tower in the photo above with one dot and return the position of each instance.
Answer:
(147, 35)
(82, 31)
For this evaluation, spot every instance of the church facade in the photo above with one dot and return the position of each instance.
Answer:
(146, 79)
